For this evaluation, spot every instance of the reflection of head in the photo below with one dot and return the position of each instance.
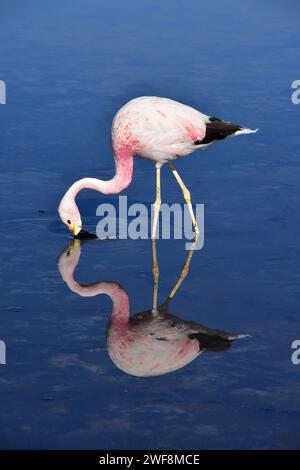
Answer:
(146, 344)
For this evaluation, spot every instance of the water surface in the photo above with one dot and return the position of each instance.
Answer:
(68, 67)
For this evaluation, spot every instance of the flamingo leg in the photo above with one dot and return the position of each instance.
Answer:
(155, 271)
(155, 268)
(186, 195)
(185, 268)
(156, 204)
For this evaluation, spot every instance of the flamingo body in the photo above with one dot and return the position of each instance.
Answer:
(158, 129)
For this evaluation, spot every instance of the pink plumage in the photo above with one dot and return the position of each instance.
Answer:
(158, 129)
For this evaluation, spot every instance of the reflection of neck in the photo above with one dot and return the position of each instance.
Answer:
(120, 300)
(119, 297)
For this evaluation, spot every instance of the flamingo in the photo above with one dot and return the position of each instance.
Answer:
(149, 343)
(158, 129)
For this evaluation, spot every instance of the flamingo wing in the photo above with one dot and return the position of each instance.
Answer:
(160, 129)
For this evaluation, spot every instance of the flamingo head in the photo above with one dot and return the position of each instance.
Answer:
(69, 259)
(70, 216)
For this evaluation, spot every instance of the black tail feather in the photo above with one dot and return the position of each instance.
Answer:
(212, 343)
(217, 129)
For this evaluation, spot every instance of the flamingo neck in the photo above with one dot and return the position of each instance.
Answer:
(120, 181)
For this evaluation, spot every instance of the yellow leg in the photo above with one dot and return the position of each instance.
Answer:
(156, 205)
(155, 268)
(186, 195)
(155, 271)
(185, 269)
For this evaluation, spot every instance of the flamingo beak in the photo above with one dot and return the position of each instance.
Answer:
(84, 235)
(80, 234)
(74, 229)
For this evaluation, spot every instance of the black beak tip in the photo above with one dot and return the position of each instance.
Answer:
(83, 235)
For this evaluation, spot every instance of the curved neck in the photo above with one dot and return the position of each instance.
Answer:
(67, 265)
(118, 296)
(122, 178)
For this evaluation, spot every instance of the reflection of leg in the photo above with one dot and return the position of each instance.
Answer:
(185, 268)
(157, 202)
(155, 268)
(186, 195)
(155, 271)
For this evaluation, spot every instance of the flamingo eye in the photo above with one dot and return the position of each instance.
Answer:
(69, 221)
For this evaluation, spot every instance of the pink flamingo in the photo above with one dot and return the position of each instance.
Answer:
(148, 343)
(157, 129)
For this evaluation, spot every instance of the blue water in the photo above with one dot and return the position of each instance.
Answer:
(68, 67)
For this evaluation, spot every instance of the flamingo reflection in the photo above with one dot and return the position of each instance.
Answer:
(149, 343)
